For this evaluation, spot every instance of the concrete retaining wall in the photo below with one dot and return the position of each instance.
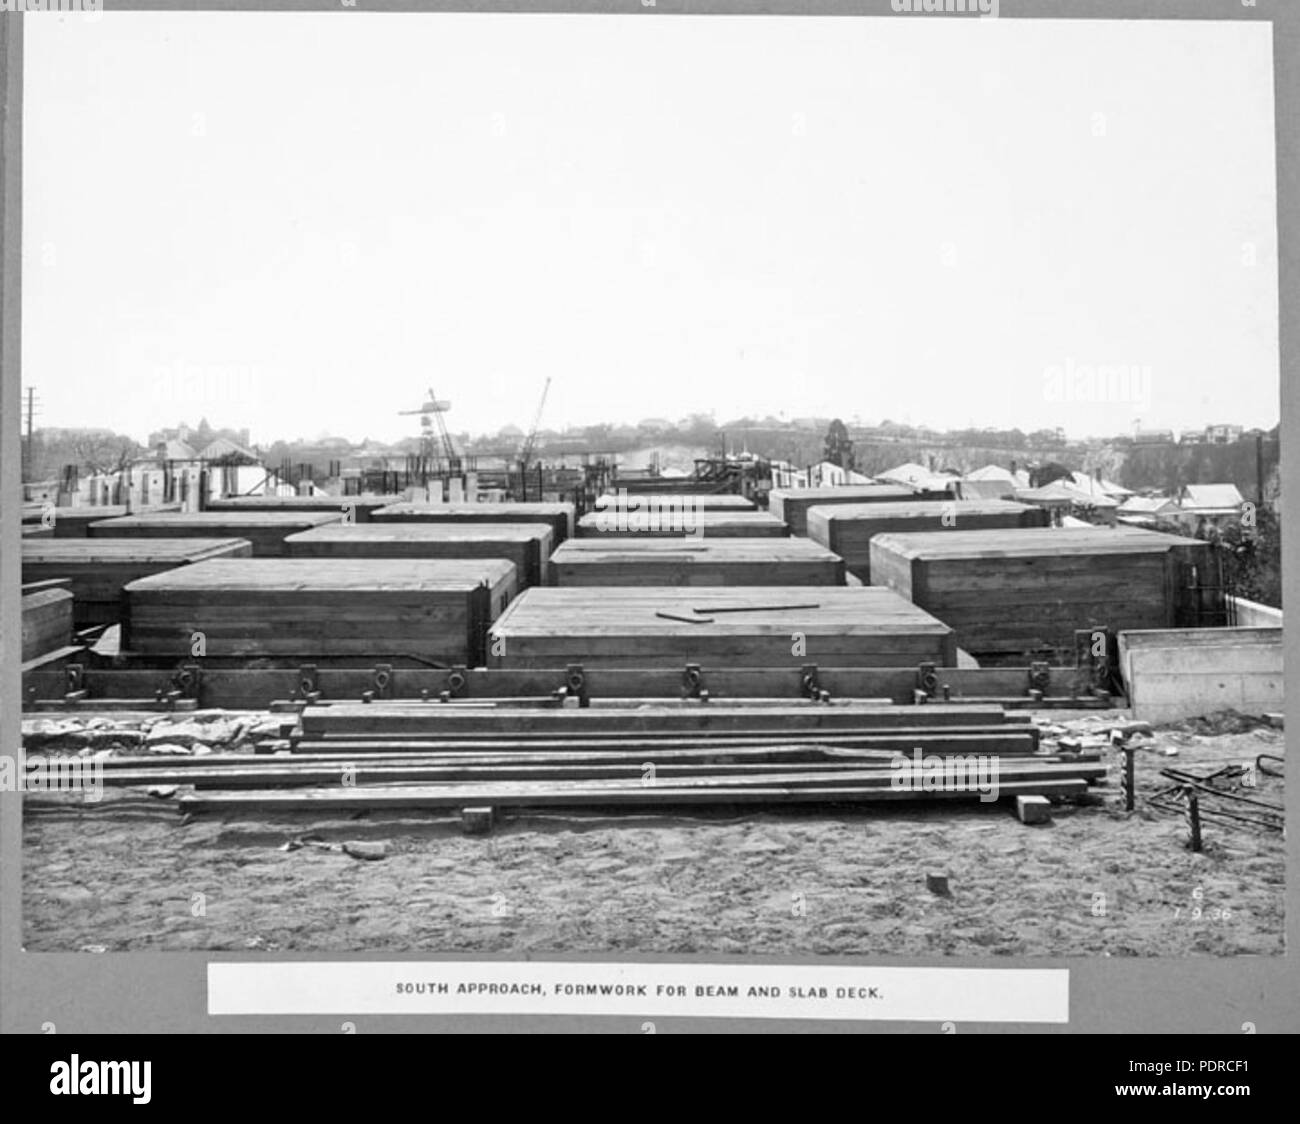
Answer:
(1187, 672)
(1251, 614)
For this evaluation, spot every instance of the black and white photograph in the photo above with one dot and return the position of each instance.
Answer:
(631, 483)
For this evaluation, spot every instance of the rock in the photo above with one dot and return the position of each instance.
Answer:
(369, 851)
(169, 747)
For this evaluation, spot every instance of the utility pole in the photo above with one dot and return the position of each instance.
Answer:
(29, 447)
(1259, 469)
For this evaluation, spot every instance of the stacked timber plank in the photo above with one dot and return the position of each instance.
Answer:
(75, 522)
(655, 561)
(433, 755)
(763, 626)
(98, 569)
(557, 516)
(526, 545)
(682, 520)
(353, 508)
(432, 609)
(46, 622)
(647, 500)
(264, 530)
(1026, 591)
(848, 528)
(791, 504)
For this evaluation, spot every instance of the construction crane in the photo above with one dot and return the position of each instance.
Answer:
(435, 408)
(526, 450)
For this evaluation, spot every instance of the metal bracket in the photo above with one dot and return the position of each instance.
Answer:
(382, 680)
(575, 684)
(927, 678)
(186, 682)
(810, 684)
(1039, 679)
(693, 683)
(456, 682)
(309, 682)
(75, 677)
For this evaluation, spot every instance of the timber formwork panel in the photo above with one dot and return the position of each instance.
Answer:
(680, 522)
(758, 626)
(558, 516)
(264, 530)
(74, 522)
(371, 608)
(791, 504)
(647, 560)
(526, 545)
(1027, 591)
(98, 569)
(848, 529)
(353, 508)
(46, 622)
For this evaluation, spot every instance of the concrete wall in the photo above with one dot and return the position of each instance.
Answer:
(1186, 672)
(1251, 614)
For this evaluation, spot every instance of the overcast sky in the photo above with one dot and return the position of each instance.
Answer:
(299, 223)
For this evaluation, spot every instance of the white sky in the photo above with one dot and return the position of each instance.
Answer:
(298, 223)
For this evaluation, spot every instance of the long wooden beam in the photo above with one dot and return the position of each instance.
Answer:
(540, 796)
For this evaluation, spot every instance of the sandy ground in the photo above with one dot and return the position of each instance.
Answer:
(129, 874)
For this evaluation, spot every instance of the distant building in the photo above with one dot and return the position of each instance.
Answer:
(1211, 504)
(1222, 434)
(1062, 498)
(993, 489)
(1153, 437)
(1096, 485)
(919, 478)
(1145, 510)
(830, 475)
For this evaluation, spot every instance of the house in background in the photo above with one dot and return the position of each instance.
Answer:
(1062, 498)
(1141, 511)
(829, 475)
(968, 489)
(921, 480)
(1222, 434)
(1209, 505)
(1098, 486)
(1013, 475)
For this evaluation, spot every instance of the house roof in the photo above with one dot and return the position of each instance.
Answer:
(1092, 485)
(917, 476)
(1061, 491)
(991, 489)
(1147, 505)
(1211, 497)
(174, 449)
(827, 468)
(990, 472)
(221, 448)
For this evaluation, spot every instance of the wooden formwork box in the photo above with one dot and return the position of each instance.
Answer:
(1027, 591)
(371, 608)
(848, 529)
